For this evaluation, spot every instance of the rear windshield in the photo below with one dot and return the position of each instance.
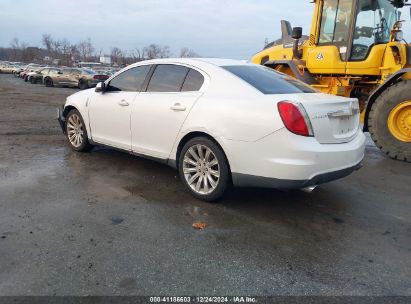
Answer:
(89, 72)
(268, 81)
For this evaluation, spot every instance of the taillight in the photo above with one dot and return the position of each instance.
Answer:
(295, 118)
(100, 77)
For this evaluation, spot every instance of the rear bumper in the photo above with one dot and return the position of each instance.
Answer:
(61, 120)
(245, 180)
(287, 161)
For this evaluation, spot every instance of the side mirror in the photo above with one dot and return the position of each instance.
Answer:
(60, 72)
(100, 87)
(297, 33)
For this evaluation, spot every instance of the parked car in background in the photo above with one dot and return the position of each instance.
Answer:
(7, 68)
(220, 122)
(75, 77)
(29, 68)
(18, 68)
(34, 70)
(37, 77)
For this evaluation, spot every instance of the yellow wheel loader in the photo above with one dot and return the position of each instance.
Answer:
(355, 49)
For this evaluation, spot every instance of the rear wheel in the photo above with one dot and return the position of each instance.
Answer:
(389, 121)
(76, 132)
(48, 82)
(33, 80)
(83, 84)
(204, 169)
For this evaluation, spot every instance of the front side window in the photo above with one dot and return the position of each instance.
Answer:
(268, 81)
(54, 71)
(335, 22)
(373, 26)
(130, 80)
(167, 78)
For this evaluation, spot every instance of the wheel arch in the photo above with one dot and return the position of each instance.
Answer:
(67, 110)
(46, 78)
(394, 78)
(191, 135)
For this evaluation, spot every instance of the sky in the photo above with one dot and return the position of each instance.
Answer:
(212, 28)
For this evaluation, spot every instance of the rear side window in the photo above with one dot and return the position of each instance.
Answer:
(167, 78)
(75, 72)
(194, 81)
(268, 81)
(131, 80)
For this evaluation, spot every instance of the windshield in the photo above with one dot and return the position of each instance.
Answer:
(268, 81)
(335, 22)
(374, 22)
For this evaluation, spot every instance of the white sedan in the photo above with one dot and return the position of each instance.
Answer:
(220, 122)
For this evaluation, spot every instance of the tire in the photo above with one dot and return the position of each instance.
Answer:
(83, 84)
(76, 132)
(48, 82)
(378, 121)
(33, 80)
(26, 78)
(215, 165)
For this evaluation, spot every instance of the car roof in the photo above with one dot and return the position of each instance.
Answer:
(196, 61)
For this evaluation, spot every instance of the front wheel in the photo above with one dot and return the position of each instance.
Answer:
(76, 132)
(204, 169)
(48, 82)
(389, 121)
(33, 80)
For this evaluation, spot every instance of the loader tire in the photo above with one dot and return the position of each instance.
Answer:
(389, 121)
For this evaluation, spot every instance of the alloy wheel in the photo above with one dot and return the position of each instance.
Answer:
(201, 169)
(75, 132)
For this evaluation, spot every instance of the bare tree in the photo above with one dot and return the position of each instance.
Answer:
(186, 53)
(15, 47)
(157, 51)
(47, 41)
(137, 54)
(85, 49)
(66, 52)
(116, 55)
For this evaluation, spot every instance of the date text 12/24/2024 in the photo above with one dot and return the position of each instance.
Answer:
(203, 299)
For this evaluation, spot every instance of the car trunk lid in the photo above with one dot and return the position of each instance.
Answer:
(333, 119)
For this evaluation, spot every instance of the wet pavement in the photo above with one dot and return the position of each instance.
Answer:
(107, 222)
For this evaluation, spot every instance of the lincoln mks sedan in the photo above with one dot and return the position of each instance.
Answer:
(220, 123)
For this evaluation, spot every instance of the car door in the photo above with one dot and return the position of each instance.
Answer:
(159, 112)
(61, 77)
(73, 77)
(110, 111)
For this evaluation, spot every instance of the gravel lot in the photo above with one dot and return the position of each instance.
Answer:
(107, 222)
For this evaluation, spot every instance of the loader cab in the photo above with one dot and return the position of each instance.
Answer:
(351, 35)
(335, 22)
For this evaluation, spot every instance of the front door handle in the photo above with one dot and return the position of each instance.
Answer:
(123, 103)
(178, 107)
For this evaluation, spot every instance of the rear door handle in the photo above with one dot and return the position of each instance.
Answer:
(178, 107)
(123, 103)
